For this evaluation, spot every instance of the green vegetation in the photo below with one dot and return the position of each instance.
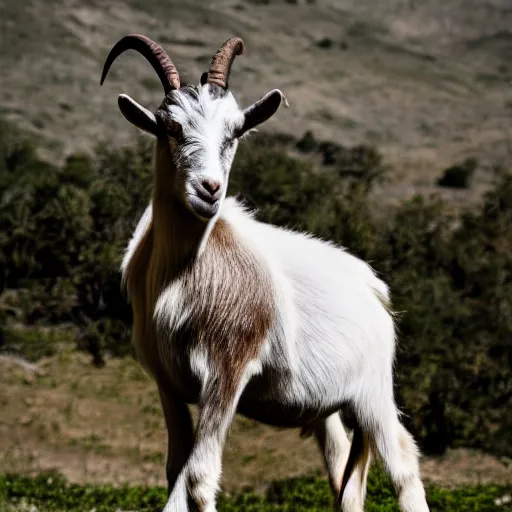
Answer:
(51, 493)
(63, 229)
(459, 175)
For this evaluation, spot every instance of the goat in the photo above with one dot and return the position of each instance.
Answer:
(240, 316)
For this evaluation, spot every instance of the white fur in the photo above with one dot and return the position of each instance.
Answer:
(204, 124)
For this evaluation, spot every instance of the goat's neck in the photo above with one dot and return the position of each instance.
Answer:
(178, 233)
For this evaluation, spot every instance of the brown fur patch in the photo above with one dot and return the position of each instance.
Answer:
(226, 290)
(229, 295)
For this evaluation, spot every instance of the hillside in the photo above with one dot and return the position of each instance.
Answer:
(427, 82)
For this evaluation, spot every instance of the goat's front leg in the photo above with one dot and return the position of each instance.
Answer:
(179, 436)
(201, 474)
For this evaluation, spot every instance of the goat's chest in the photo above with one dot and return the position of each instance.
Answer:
(213, 317)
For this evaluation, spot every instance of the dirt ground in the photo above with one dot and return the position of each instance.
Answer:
(105, 426)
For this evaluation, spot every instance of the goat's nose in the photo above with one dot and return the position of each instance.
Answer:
(211, 186)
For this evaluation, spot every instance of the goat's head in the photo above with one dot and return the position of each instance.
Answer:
(198, 127)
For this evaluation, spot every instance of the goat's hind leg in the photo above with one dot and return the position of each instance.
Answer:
(397, 450)
(335, 446)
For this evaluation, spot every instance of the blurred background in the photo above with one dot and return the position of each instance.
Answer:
(397, 144)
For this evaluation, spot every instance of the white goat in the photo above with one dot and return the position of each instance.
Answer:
(239, 316)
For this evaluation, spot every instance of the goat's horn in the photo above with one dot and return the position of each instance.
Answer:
(153, 52)
(220, 65)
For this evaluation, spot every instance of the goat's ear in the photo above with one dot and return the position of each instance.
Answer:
(138, 115)
(262, 110)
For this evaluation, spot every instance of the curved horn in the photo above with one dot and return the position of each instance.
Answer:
(153, 52)
(222, 61)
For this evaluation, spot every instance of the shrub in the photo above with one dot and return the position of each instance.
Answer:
(325, 43)
(331, 152)
(459, 175)
(308, 143)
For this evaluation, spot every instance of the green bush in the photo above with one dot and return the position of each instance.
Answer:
(361, 163)
(307, 143)
(459, 175)
(62, 233)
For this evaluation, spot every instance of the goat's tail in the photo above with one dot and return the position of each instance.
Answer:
(358, 458)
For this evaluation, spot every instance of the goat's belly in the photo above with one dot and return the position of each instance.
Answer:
(284, 415)
(264, 400)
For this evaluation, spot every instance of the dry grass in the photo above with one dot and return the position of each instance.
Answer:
(428, 82)
(105, 425)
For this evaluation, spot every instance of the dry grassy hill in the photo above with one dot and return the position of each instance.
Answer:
(427, 81)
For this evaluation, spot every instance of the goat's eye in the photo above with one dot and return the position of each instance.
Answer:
(171, 127)
(174, 129)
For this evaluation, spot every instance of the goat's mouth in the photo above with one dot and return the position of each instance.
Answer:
(203, 208)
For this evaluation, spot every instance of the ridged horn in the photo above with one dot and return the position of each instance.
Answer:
(221, 63)
(153, 52)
